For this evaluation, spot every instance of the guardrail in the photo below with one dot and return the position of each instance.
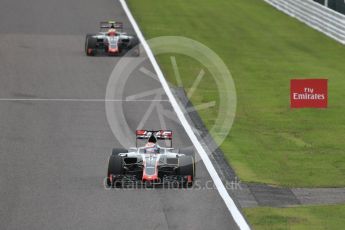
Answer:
(315, 15)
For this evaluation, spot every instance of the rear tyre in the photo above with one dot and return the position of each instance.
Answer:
(187, 169)
(90, 45)
(115, 167)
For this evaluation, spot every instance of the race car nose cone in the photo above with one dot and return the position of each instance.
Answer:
(111, 50)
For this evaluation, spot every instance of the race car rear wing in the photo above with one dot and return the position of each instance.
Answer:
(159, 134)
(104, 26)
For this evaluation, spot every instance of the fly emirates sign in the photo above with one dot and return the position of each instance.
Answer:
(308, 93)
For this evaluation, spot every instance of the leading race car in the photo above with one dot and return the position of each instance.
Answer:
(111, 40)
(151, 164)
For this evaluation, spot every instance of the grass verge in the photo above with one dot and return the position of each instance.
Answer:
(311, 217)
(263, 49)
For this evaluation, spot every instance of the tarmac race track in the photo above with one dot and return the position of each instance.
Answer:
(54, 153)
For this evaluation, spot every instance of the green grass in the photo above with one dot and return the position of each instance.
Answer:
(311, 217)
(263, 49)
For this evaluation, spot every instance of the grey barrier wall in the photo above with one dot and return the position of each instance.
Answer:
(315, 15)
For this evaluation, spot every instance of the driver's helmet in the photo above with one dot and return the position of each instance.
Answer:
(111, 32)
(151, 148)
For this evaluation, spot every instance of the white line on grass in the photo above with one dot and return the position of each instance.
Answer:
(235, 212)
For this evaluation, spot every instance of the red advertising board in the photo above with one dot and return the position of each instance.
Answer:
(308, 93)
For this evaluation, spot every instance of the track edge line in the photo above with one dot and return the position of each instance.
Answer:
(229, 202)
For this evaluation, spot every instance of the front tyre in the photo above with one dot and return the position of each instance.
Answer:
(90, 45)
(186, 169)
(115, 168)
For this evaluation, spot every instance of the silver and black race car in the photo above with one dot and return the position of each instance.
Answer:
(111, 40)
(151, 164)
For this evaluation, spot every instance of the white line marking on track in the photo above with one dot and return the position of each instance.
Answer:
(229, 202)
